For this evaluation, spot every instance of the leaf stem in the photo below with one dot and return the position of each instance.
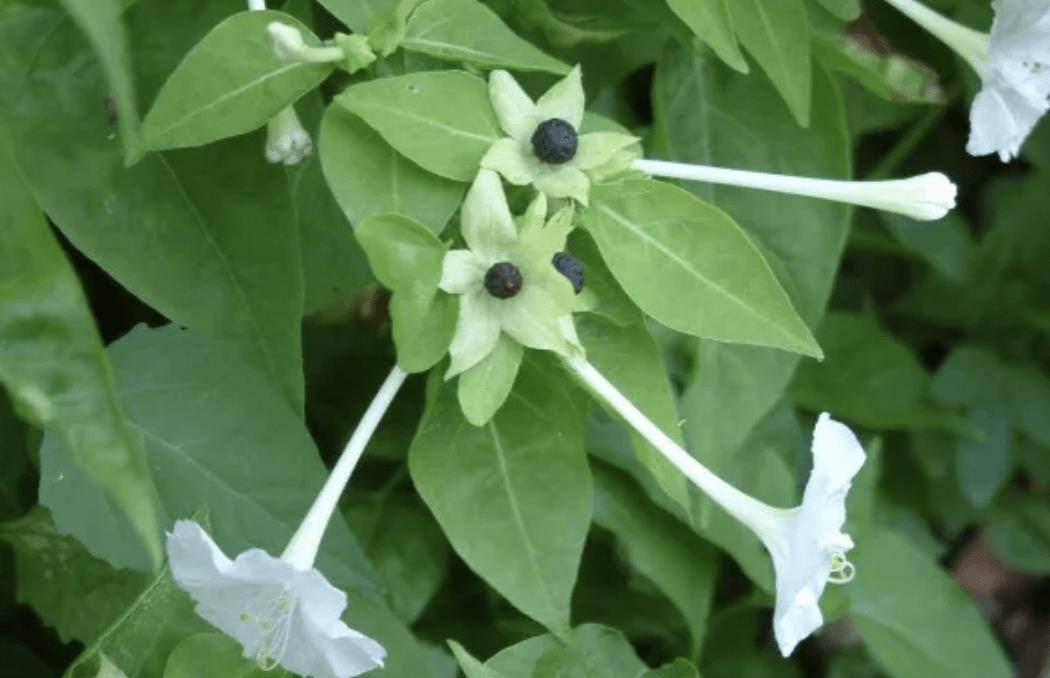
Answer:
(302, 548)
(755, 514)
(969, 44)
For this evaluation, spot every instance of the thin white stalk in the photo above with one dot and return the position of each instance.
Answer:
(757, 515)
(302, 548)
(928, 196)
(971, 45)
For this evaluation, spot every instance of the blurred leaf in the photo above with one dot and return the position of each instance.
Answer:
(207, 237)
(914, 619)
(230, 83)
(514, 497)
(519, 660)
(846, 10)
(665, 245)
(983, 466)
(52, 362)
(71, 590)
(865, 56)
(946, 244)
(630, 359)
(368, 177)
(711, 22)
(467, 30)
(1019, 534)
(680, 668)
(591, 650)
(213, 655)
(681, 565)
(440, 120)
(472, 668)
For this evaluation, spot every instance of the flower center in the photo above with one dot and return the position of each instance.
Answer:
(842, 570)
(503, 280)
(270, 619)
(555, 141)
(570, 267)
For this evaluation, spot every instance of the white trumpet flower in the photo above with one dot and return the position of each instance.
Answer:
(282, 610)
(806, 542)
(1013, 63)
(925, 197)
(287, 142)
(288, 45)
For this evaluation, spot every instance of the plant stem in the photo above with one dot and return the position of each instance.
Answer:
(302, 548)
(969, 44)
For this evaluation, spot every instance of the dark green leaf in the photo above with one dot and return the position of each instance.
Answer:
(591, 650)
(711, 21)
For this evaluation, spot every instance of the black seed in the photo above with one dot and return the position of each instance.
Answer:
(554, 141)
(570, 267)
(503, 280)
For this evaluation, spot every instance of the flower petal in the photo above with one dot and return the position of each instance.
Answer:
(462, 271)
(477, 331)
(1000, 120)
(516, 113)
(532, 319)
(597, 148)
(564, 100)
(485, 219)
(837, 455)
(508, 157)
(565, 182)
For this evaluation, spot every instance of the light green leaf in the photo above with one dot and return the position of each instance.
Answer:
(467, 30)
(72, 591)
(206, 237)
(914, 619)
(407, 259)
(845, 10)
(368, 177)
(218, 435)
(472, 668)
(440, 120)
(592, 650)
(689, 266)
(484, 388)
(102, 25)
(681, 565)
(519, 660)
(679, 668)
(230, 83)
(52, 362)
(630, 359)
(357, 13)
(513, 497)
(213, 655)
(711, 22)
(610, 301)
(776, 34)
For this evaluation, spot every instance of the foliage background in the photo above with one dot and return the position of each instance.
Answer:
(936, 338)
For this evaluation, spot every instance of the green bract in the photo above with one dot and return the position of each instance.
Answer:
(597, 155)
(535, 317)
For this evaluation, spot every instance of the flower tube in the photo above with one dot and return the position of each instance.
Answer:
(926, 197)
(282, 610)
(806, 542)
(1013, 62)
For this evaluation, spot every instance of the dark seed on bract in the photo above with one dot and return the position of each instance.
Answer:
(555, 141)
(570, 267)
(503, 280)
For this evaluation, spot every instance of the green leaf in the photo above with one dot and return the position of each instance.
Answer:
(630, 359)
(71, 590)
(407, 259)
(513, 497)
(218, 435)
(984, 464)
(868, 377)
(472, 668)
(591, 650)
(776, 34)
(611, 301)
(230, 83)
(467, 30)
(52, 362)
(711, 22)
(102, 25)
(519, 660)
(357, 13)
(368, 177)
(705, 113)
(887, 74)
(845, 10)
(681, 565)
(679, 668)
(440, 120)
(914, 619)
(689, 266)
(213, 655)
(1019, 534)
(484, 388)
(206, 237)
(406, 547)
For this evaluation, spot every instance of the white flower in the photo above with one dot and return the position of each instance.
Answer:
(281, 614)
(287, 142)
(926, 197)
(1015, 90)
(544, 147)
(806, 542)
(1014, 65)
(506, 280)
(288, 45)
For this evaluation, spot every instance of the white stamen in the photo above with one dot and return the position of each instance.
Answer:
(926, 197)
